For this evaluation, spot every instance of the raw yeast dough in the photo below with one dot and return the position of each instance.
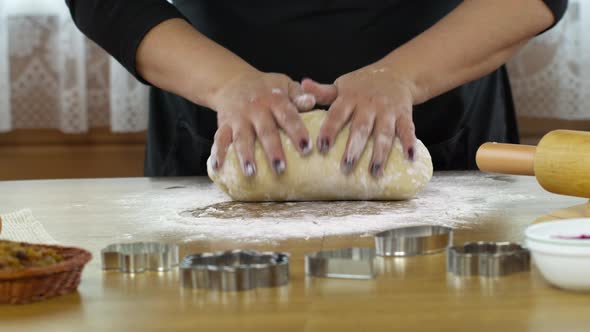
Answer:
(318, 177)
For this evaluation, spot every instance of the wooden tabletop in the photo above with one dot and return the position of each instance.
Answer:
(410, 294)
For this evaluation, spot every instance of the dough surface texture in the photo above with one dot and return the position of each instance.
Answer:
(318, 177)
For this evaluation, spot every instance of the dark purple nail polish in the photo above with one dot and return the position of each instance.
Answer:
(324, 145)
(376, 169)
(411, 154)
(249, 169)
(347, 165)
(279, 166)
(305, 146)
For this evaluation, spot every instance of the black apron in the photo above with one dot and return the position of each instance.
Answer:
(324, 40)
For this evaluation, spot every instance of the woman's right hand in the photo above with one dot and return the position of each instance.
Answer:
(256, 105)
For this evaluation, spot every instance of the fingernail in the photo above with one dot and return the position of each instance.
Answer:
(324, 145)
(305, 146)
(215, 165)
(249, 169)
(411, 154)
(376, 169)
(347, 165)
(279, 166)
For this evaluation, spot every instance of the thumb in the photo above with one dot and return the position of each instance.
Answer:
(303, 101)
(325, 94)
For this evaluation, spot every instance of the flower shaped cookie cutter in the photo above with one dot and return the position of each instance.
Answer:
(139, 256)
(487, 259)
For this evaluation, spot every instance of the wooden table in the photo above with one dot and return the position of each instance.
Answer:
(412, 294)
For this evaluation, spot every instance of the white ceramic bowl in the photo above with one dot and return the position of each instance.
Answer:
(558, 250)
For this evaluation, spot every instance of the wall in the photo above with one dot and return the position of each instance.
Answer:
(49, 154)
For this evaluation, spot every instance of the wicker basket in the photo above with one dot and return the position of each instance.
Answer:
(41, 283)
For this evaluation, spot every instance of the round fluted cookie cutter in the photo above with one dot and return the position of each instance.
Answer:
(235, 270)
(413, 241)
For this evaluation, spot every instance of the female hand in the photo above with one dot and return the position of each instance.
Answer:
(256, 105)
(377, 102)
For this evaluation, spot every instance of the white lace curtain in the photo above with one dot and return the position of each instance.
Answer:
(53, 77)
(550, 76)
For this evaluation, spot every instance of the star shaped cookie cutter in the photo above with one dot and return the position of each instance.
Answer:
(139, 256)
(235, 270)
(487, 259)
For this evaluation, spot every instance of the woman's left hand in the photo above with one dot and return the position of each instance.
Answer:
(378, 103)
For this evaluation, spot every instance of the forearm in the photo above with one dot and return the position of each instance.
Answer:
(472, 41)
(176, 57)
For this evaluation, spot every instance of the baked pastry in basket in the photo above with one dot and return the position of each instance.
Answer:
(34, 272)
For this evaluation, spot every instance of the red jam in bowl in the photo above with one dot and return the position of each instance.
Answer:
(572, 237)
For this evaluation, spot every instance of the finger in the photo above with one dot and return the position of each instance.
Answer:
(221, 142)
(383, 136)
(268, 135)
(243, 142)
(406, 133)
(361, 127)
(304, 101)
(325, 94)
(338, 115)
(287, 117)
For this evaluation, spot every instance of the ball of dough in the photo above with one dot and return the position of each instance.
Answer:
(318, 177)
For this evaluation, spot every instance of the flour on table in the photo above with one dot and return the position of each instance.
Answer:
(194, 214)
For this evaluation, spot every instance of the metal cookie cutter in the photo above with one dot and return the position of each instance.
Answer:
(235, 270)
(488, 259)
(415, 240)
(351, 263)
(139, 256)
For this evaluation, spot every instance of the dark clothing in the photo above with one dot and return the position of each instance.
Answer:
(340, 36)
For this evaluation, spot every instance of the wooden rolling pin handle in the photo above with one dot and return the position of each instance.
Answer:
(506, 158)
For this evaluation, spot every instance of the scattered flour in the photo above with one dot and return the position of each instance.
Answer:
(198, 212)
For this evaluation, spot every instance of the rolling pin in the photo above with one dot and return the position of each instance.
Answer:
(560, 162)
